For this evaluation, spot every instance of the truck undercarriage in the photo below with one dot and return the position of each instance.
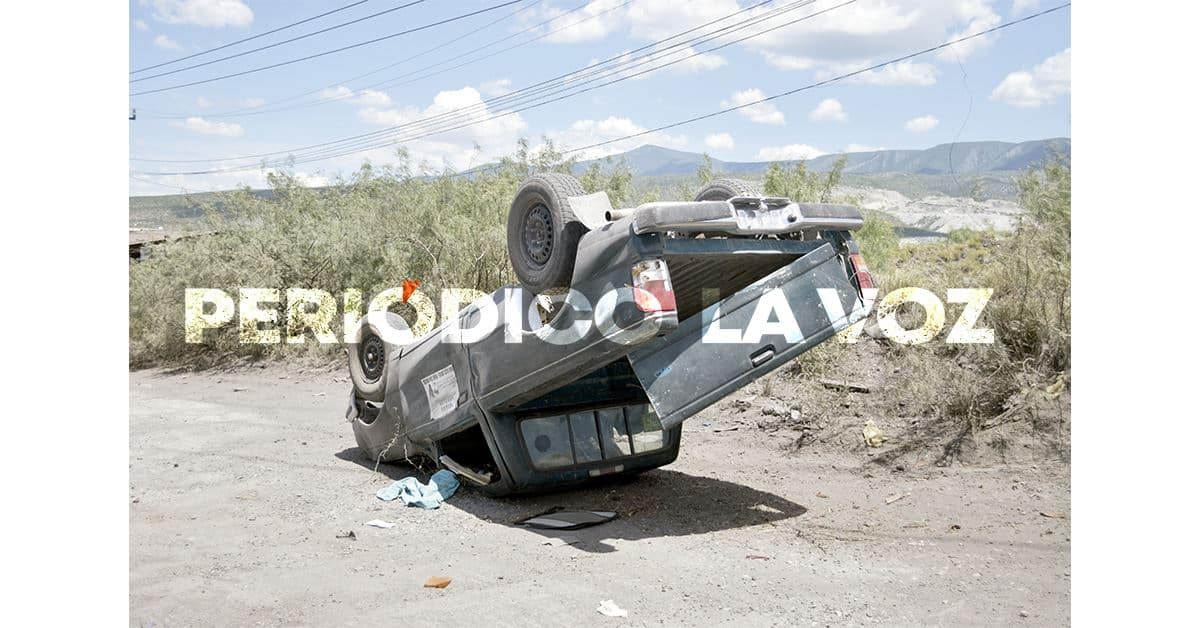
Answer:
(667, 308)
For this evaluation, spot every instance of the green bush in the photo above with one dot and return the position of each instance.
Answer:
(1029, 271)
(370, 232)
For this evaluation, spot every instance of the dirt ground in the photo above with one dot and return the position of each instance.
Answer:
(242, 482)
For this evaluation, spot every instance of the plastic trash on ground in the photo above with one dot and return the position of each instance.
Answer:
(609, 608)
(441, 487)
(569, 519)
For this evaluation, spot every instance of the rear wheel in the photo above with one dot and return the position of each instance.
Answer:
(370, 351)
(543, 232)
(725, 189)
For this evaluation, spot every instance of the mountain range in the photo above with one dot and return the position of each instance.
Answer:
(957, 158)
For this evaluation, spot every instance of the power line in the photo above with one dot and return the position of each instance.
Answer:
(809, 86)
(265, 109)
(574, 75)
(333, 51)
(278, 43)
(432, 126)
(825, 82)
(250, 38)
(161, 185)
(431, 123)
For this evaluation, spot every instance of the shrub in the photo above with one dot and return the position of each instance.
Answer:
(372, 231)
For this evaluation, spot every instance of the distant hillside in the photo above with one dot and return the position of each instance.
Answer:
(960, 158)
(985, 170)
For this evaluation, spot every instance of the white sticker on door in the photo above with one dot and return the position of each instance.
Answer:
(442, 390)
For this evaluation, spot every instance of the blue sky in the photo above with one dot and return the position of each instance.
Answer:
(1016, 85)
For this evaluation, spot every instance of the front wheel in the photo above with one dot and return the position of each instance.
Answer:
(371, 350)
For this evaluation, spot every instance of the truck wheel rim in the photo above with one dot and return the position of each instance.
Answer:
(538, 234)
(372, 357)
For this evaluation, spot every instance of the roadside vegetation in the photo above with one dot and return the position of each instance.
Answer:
(372, 231)
(387, 224)
(964, 389)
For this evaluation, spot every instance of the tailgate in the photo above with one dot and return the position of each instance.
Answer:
(687, 370)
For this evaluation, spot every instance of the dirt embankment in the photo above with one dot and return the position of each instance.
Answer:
(938, 213)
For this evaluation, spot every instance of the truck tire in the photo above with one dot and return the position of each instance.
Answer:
(725, 189)
(543, 232)
(369, 354)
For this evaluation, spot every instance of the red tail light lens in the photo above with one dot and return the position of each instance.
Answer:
(652, 290)
(861, 274)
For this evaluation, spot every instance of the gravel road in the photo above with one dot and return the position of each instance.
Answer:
(241, 483)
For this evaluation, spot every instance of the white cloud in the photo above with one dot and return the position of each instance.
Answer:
(495, 137)
(141, 25)
(979, 16)
(921, 124)
(586, 132)
(497, 87)
(903, 73)
(162, 41)
(862, 148)
(591, 23)
(762, 113)
(367, 97)
(644, 21)
(657, 20)
(869, 31)
(636, 67)
(372, 98)
(719, 141)
(1048, 80)
(341, 92)
(254, 102)
(829, 110)
(1021, 5)
(788, 62)
(209, 13)
(691, 63)
(199, 125)
(789, 152)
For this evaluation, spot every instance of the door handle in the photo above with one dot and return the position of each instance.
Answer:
(762, 356)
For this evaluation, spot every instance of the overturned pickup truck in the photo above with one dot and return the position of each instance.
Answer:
(626, 323)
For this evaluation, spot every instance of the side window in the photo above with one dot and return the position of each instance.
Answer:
(644, 428)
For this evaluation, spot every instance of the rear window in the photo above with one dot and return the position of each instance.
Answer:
(591, 436)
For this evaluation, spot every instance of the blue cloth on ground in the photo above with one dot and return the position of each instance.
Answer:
(410, 490)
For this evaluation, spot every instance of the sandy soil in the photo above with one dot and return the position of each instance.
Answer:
(240, 484)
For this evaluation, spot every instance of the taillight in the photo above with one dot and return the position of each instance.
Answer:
(652, 290)
(861, 274)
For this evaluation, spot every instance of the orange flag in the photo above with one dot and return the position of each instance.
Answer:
(409, 286)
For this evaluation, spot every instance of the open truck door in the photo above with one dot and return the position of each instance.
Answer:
(750, 333)
(741, 333)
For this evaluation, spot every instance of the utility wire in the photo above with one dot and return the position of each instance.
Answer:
(431, 126)
(250, 38)
(329, 52)
(809, 86)
(278, 43)
(268, 108)
(574, 75)
(433, 129)
(826, 81)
